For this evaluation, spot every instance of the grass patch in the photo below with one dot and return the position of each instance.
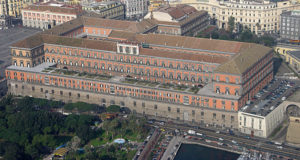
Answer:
(130, 81)
(131, 154)
(153, 84)
(180, 87)
(80, 106)
(166, 85)
(98, 141)
(142, 83)
(194, 89)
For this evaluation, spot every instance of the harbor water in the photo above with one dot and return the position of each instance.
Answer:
(198, 152)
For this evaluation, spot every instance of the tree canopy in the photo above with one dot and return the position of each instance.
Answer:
(29, 129)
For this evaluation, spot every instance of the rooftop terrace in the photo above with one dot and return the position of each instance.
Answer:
(49, 69)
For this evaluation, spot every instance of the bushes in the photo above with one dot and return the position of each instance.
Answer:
(113, 108)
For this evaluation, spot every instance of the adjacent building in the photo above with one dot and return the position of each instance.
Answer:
(154, 4)
(13, 7)
(260, 16)
(135, 8)
(293, 130)
(179, 20)
(293, 111)
(293, 59)
(259, 120)
(49, 14)
(290, 26)
(283, 48)
(107, 62)
(105, 9)
(5, 21)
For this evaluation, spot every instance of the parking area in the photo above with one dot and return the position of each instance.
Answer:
(273, 94)
(7, 38)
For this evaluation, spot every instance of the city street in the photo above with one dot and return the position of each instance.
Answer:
(7, 38)
(239, 141)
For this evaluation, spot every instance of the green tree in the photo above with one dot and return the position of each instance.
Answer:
(14, 152)
(113, 108)
(267, 40)
(231, 24)
(247, 36)
(215, 35)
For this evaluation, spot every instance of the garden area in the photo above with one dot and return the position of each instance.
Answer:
(131, 129)
(30, 129)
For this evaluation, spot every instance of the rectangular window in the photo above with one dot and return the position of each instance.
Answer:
(186, 100)
(237, 80)
(134, 50)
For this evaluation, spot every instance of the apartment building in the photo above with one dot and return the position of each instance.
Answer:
(13, 7)
(107, 62)
(154, 4)
(107, 9)
(46, 15)
(259, 16)
(260, 121)
(5, 21)
(135, 8)
(290, 26)
(179, 20)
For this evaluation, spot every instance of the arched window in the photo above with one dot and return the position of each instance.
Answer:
(227, 90)
(171, 75)
(178, 76)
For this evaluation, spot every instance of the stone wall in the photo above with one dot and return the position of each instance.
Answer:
(293, 135)
(218, 118)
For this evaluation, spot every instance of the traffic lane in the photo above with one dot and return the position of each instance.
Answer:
(267, 147)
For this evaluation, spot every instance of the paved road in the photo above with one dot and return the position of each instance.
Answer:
(248, 143)
(7, 38)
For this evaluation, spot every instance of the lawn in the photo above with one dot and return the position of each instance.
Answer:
(180, 87)
(105, 138)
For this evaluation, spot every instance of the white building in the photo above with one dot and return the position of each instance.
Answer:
(135, 8)
(260, 121)
(259, 16)
(47, 15)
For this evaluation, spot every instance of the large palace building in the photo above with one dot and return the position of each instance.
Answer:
(107, 62)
